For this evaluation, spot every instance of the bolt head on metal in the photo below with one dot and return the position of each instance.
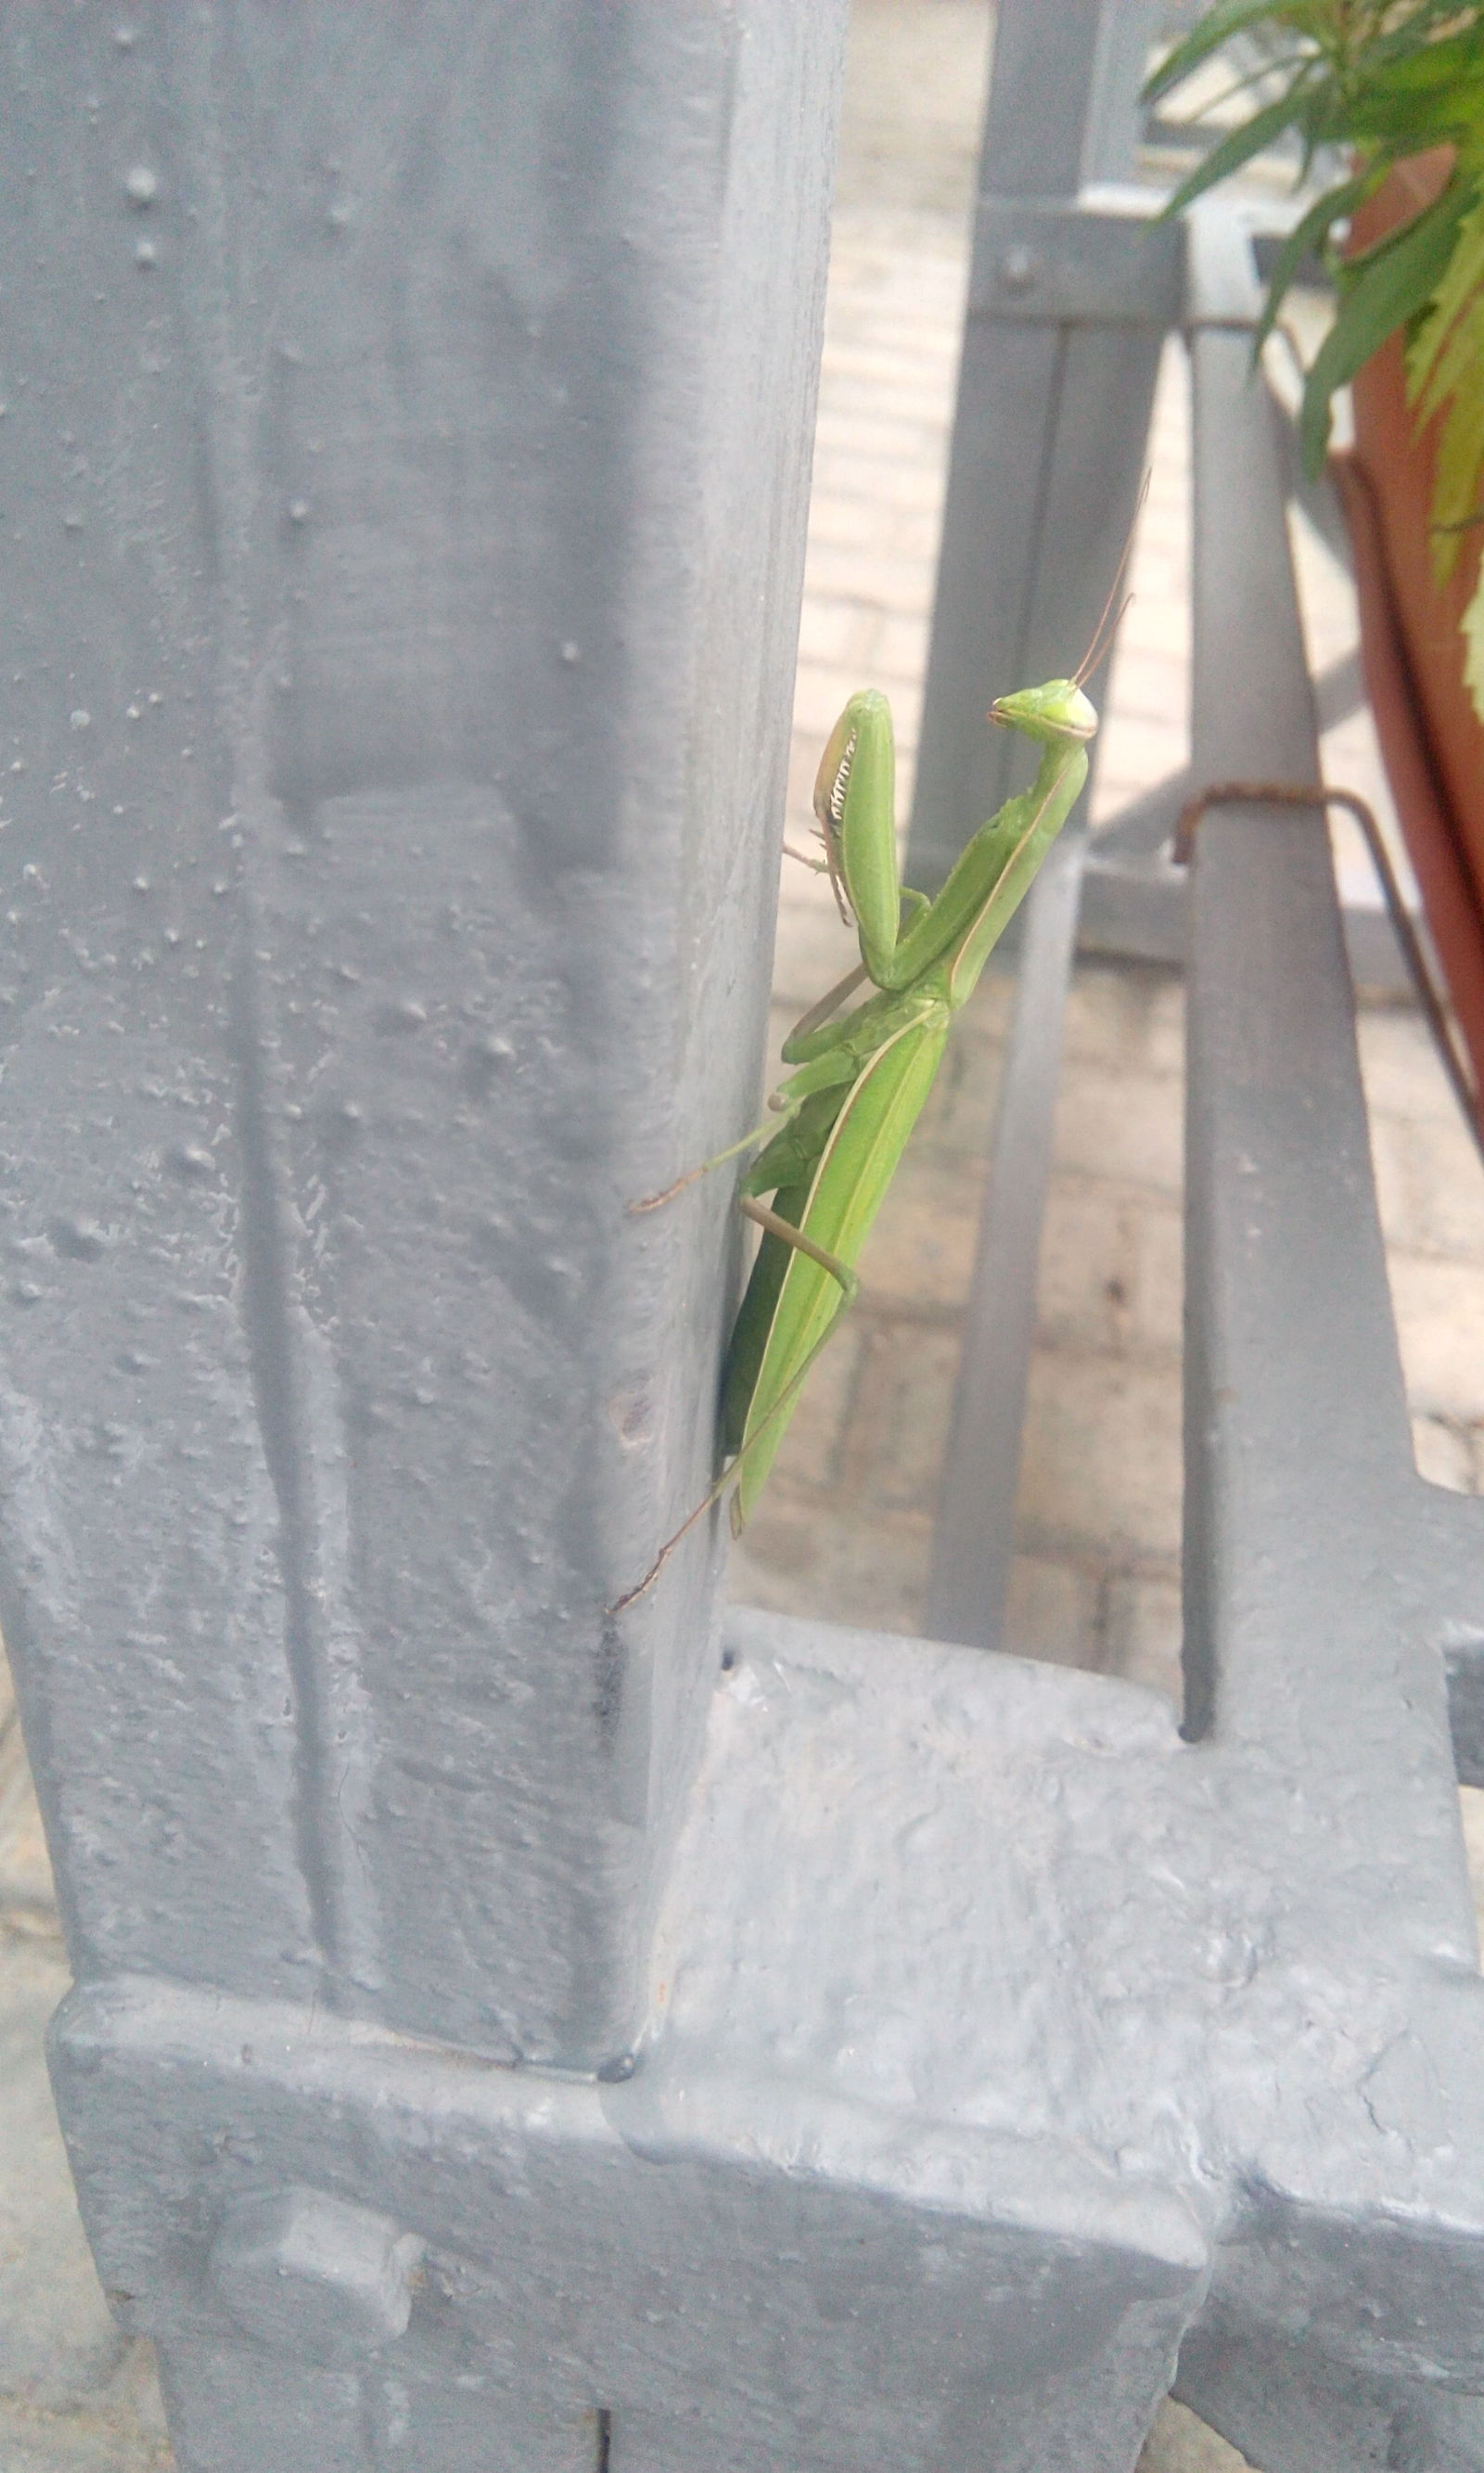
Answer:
(314, 2275)
(1017, 267)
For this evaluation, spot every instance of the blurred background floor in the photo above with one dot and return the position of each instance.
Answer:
(845, 1528)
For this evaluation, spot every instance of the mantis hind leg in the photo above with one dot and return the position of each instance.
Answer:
(813, 1033)
(750, 1142)
(828, 1071)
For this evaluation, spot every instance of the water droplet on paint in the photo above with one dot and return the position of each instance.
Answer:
(82, 1240)
(189, 1158)
(406, 1014)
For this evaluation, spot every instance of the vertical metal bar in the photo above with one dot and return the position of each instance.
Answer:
(1300, 1495)
(1010, 379)
(974, 1540)
(1110, 142)
(408, 452)
(1049, 443)
(1095, 462)
(1054, 100)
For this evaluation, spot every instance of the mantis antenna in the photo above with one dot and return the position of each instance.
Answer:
(1104, 632)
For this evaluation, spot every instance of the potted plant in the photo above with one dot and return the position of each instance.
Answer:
(1396, 89)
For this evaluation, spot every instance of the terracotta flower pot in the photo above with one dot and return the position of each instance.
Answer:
(1431, 737)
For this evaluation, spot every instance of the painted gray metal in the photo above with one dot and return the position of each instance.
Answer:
(1133, 897)
(973, 1535)
(1053, 400)
(503, 2041)
(1069, 309)
(1332, 1600)
(405, 462)
(1055, 259)
(309, 2275)
(1316, 1608)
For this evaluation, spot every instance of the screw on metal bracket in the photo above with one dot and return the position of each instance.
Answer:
(313, 2274)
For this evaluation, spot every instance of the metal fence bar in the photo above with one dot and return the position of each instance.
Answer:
(1026, 541)
(380, 836)
(1272, 1042)
(1133, 900)
(994, 2039)
(1305, 1640)
(1067, 310)
(407, 464)
(973, 1537)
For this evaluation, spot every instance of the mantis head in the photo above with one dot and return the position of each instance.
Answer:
(1055, 712)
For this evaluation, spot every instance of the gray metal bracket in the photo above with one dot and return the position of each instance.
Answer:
(1071, 263)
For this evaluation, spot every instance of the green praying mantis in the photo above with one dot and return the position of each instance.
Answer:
(837, 1127)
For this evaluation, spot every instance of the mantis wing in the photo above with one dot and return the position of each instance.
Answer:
(855, 1167)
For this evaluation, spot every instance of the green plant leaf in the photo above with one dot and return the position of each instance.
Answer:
(1458, 477)
(1472, 632)
(1459, 370)
(1409, 65)
(1394, 282)
(1398, 38)
(1310, 229)
(1428, 376)
(1230, 17)
(1392, 127)
(1238, 146)
(1352, 272)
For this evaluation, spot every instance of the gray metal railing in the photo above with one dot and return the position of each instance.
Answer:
(505, 2037)
(1332, 1602)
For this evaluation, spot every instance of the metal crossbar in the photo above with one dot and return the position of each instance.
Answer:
(1331, 1601)
(509, 2036)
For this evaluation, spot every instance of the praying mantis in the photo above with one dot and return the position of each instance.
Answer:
(838, 1125)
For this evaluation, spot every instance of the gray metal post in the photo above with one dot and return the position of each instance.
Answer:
(405, 455)
(1066, 309)
(985, 2043)
(1069, 309)
(1316, 1602)
(407, 450)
